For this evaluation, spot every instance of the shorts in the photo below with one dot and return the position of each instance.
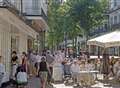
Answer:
(43, 75)
(22, 83)
(75, 75)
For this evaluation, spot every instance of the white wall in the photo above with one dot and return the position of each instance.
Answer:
(5, 44)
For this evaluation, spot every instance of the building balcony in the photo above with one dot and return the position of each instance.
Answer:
(35, 14)
(111, 10)
(99, 30)
(115, 26)
(27, 8)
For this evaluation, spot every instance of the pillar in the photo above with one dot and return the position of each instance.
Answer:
(6, 49)
(22, 43)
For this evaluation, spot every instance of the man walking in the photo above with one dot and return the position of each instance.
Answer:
(50, 60)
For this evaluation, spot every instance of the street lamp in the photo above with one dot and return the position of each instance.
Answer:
(51, 32)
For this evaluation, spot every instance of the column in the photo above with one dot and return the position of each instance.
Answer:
(6, 49)
(22, 43)
(0, 40)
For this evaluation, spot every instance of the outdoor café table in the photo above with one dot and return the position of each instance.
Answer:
(86, 77)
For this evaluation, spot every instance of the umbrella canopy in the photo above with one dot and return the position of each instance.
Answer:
(108, 40)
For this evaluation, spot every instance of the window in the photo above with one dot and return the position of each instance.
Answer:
(111, 20)
(111, 3)
(119, 17)
(115, 3)
(115, 19)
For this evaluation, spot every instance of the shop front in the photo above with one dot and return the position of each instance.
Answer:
(14, 36)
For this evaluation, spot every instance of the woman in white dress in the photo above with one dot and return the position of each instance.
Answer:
(57, 68)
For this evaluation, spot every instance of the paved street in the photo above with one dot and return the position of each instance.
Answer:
(35, 83)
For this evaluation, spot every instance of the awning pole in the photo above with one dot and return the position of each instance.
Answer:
(105, 61)
(89, 49)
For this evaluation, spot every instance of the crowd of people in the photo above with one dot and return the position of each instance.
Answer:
(55, 66)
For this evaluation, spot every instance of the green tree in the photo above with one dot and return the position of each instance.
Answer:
(74, 17)
(88, 13)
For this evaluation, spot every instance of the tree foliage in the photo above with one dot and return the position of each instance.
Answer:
(73, 17)
(88, 13)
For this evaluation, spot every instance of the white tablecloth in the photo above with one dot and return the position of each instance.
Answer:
(57, 72)
(86, 77)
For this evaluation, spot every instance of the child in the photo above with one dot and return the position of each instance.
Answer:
(21, 78)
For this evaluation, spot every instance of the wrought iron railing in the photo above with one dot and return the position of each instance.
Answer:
(115, 26)
(23, 10)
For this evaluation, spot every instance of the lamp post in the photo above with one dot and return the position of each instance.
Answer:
(52, 33)
(65, 43)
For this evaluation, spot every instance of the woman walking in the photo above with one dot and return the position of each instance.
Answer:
(24, 61)
(43, 72)
(14, 65)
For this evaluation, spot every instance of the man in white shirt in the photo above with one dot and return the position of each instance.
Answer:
(117, 69)
(37, 61)
(75, 68)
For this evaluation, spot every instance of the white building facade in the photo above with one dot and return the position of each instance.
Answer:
(114, 15)
(14, 35)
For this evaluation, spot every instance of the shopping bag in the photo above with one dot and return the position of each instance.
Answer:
(22, 77)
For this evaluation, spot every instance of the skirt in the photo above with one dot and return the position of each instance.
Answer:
(43, 75)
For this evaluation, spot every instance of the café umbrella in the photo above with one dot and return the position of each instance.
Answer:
(108, 40)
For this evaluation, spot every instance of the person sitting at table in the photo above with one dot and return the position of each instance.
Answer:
(90, 66)
(82, 66)
(85, 77)
(117, 69)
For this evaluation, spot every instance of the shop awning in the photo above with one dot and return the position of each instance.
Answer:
(16, 21)
(108, 40)
(40, 25)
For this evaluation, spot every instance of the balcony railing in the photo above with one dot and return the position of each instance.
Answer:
(115, 26)
(23, 8)
(114, 9)
(1, 3)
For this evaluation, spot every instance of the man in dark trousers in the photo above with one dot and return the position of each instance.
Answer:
(50, 60)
